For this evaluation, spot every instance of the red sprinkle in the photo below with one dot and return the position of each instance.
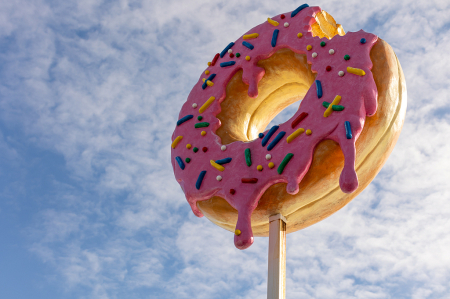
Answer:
(299, 119)
(232, 191)
(231, 55)
(249, 181)
(213, 62)
(283, 16)
(328, 68)
(205, 149)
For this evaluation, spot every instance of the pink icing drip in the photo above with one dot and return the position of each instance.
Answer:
(358, 94)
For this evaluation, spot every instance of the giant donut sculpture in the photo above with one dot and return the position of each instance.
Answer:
(308, 167)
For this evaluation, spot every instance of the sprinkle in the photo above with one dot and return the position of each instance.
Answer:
(180, 162)
(230, 51)
(194, 105)
(200, 179)
(201, 125)
(228, 63)
(203, 133)
(328, 68)
(249, 180)
(259, 167)
(319, 89)
(238, 54)
(206, 104)
(294, 135)
(322, 44)
(308, 132)
(295, 12)
(231, 55)
(356, 71)
(276, 140)
(199, 117)
(362, 41)
(299, 35)
(268, 156)
(219, 178)
(184, 119)
(204, 149)
(247, 58)
(237, 232)
(176, 141)
(226, 49)
(334, 107)
(195, 149)
(232, 191)
(331, 51)
(223, 161)
(248, 157)
(346, 57)
(283, 163)
(282, 16)
(209, 63)
(248, 45)
(299, 119)
(286, 24)
(271, 165)
(308, 47)
(275, 37)
(269, 134)
(341, 73)
(215, 59)
(210, 78)
(188, 160)
(272, 22)
(188, 146)
(250, 36)
(223, 147)
(216, 166)
(207, 72)
(261, 135)
(348, 130)
(314, 55)
(336, 101)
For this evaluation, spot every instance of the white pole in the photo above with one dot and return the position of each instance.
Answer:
(276, 281)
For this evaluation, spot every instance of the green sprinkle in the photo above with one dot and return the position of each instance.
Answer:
(323, 44)
(338, 108)
(248, 157)
(284, 163)
(201, 125)
(195, 149)
(325, 104)
(238, 54)
(188, 160)
(200, 117)
(347, 57)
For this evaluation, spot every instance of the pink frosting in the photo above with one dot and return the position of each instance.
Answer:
(359, 94)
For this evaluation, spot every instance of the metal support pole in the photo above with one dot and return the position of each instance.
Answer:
(276, 281)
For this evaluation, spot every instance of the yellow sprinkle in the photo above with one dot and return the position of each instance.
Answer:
(203, 133)
(336, 101)
(247, 58)
(294, 135)
(260, 168)
(188, 146)
(237, 232)
(209, 83)
(176, 141)
(207, 72)
(308, 132)
(272, 22)
(206, 105)
(308, 47)
(209, 63)
(203, 80)
(217, 166)
(299, 35)
(271, 165)
(356, 71)
(250, 36)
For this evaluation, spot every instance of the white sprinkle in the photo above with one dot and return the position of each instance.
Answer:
(223, 147)
(219, 178)
(286, 24)
(268, 156)
(331, 51)
(314, 55)
(194, 105)
(230, 51)
(341, 73)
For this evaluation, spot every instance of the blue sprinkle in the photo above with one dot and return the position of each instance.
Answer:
(269, 134)
(261, 135)
(319, 89)
(276, 140)
(248, 45)
(274, 37)
(348, 130)
(200, 179)
(183, 119)
(299, 9)
(226, 50)
(228, 63)
(223, 161)
(363, 40)
(210, 78)
(180, 162)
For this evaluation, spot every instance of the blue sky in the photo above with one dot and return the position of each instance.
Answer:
(89, 208)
